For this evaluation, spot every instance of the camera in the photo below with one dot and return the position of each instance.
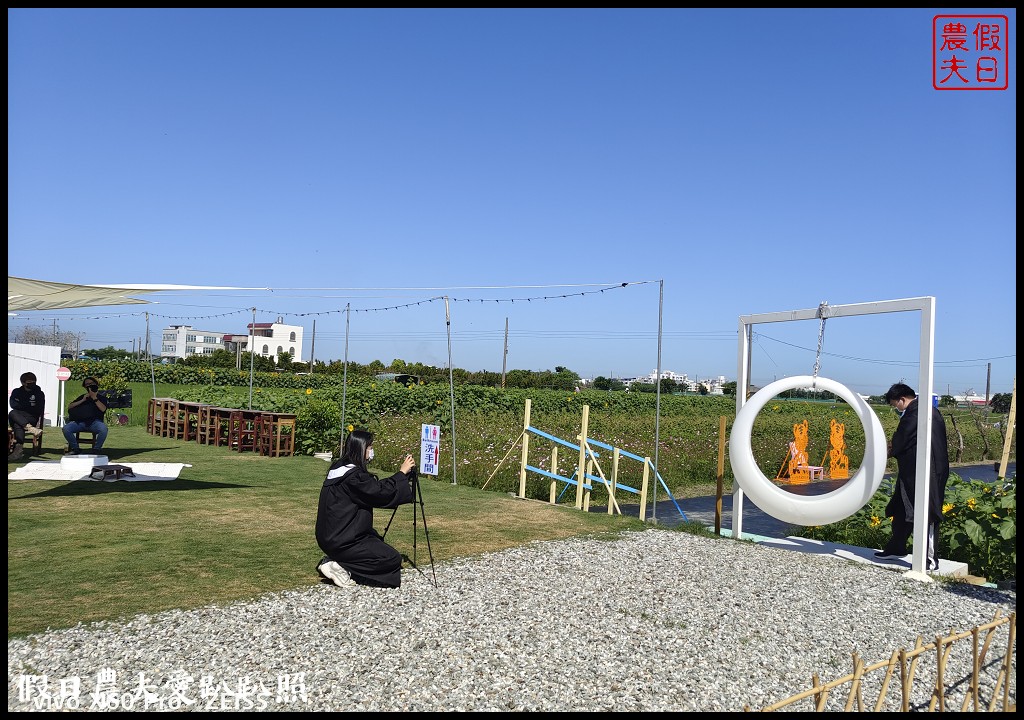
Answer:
(92, 388)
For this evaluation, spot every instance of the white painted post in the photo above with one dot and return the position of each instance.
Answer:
(582, 464)
(526, 450)
(643, 488)
(554, 469)
(1011, 421)
(615, 478)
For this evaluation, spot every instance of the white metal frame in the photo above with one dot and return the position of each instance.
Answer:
(926, 306)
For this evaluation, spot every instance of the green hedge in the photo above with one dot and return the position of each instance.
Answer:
(489, 419)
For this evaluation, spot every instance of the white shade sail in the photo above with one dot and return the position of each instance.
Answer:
(25, 294)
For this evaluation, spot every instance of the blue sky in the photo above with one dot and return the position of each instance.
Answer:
(720, 162)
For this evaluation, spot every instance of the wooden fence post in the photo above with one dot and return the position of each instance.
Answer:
(581, 467)
(526, 450)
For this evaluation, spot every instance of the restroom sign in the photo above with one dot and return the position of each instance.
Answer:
(430, 438)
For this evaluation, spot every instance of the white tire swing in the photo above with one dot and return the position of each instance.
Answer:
(804, 509)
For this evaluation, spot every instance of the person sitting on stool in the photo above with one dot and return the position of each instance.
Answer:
(85, 414)
(26, 416)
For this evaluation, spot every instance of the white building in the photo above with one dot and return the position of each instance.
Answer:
(272, 339)
(714, 386)
(970, 398)
(269, 340)
(680, 379)
(181, 341)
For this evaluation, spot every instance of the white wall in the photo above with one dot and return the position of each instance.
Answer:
(43, 360)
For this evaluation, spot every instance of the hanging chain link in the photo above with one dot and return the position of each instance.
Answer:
(823, 314)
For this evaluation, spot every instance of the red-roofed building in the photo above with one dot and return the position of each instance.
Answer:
(273, 339)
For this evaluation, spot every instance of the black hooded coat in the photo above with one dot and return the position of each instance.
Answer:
(904, 448)
(344, 522)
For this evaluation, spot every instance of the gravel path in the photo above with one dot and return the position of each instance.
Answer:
(654, 620)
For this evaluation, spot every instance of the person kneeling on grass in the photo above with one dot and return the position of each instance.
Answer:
(355, 553)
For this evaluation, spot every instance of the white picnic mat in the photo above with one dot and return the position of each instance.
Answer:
(144, 471)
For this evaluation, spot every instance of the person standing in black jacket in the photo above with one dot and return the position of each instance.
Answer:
(903, 447)
(28, 404)
(355, 553)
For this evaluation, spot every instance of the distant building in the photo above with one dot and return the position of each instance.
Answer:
(181, 341)
(273, 339)
(680, 379)
(969, 399)
(713, 386)
(269, 340)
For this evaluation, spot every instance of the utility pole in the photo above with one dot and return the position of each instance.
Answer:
(988, 382)
(252, 353)
(504, 356)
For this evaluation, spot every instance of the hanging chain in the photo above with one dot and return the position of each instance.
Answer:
(823, 314)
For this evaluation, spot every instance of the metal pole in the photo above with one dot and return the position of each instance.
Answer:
(926, 376)
(152, 371)
(451, 383)
(657, 406)
(504, 356)
(344, 383)
(252, 353)
(60, 404)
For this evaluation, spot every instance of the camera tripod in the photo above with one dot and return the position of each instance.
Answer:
(417, 499)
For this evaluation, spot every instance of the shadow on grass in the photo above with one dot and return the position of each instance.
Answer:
(99, 487)
(113, 453)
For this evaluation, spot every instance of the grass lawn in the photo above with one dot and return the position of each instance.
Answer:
(232, 526)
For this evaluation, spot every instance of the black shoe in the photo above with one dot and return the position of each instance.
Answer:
(16, 455)
(885, 555)
(71, 452)
(933, 564)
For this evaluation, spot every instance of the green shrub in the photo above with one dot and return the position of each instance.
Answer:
(317, 427)
(979, 526)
